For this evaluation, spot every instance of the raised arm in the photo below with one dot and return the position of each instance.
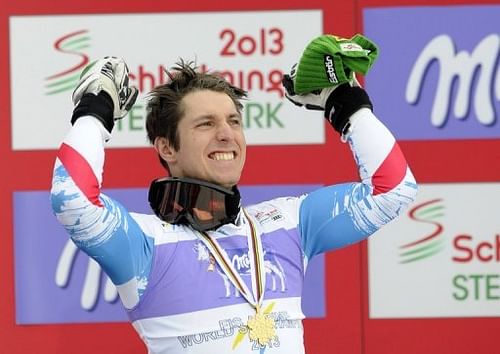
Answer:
(98, 225)
(340, 215)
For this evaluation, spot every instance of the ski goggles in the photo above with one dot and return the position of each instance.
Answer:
(204, 206)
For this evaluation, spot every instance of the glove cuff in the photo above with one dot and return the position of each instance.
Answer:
(342, 103)
(99, 106)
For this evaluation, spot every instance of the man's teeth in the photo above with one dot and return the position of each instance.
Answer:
(223, 156)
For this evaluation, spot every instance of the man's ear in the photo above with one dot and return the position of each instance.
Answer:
(165, 150)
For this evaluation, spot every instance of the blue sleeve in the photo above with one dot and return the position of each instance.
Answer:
(326, 220)
(127, 253)
(106, 233)
(340, 215)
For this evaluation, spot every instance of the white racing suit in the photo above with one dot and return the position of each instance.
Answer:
(175, 298)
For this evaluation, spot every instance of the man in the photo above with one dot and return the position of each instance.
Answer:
(175, 271)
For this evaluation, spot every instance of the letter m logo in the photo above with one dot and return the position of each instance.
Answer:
(467, 77)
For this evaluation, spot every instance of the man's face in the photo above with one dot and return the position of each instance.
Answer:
(212, 144)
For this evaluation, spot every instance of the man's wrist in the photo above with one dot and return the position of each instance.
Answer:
(342, 103)
(99, 106)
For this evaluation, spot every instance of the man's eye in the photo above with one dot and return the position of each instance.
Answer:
(235, 121)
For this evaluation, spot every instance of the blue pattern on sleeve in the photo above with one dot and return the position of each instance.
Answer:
(325, 219)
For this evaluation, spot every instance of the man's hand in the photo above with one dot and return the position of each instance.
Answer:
(104, 92)
(338, 102)
(315, 100)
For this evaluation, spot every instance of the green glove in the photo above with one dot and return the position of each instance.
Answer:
(329, 60)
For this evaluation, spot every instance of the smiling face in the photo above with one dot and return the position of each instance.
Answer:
(212, 144)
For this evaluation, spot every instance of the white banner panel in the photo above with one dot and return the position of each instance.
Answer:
(440, 259)
(251, 49)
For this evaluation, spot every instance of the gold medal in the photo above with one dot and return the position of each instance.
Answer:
(261, 328)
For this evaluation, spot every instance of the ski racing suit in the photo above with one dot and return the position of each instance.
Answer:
(174, 299)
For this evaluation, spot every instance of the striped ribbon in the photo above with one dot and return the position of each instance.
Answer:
(257, 264)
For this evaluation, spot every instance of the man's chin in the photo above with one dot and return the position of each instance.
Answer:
(226, 182)
(227, 185)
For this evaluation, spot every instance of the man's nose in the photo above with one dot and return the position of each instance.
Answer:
(224, 132)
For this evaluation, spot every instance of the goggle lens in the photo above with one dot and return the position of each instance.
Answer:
(183, 200)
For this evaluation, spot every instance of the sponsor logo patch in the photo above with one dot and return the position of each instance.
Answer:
(330, 69)
(270, 215)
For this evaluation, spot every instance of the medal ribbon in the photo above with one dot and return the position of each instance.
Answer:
(256, 251)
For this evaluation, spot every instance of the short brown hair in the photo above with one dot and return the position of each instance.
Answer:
(164, 109)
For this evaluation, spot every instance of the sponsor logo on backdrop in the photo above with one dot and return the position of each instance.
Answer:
(473, 74)
(482, 285)
(443, 81)
(440, 259)
(256, 114)
(428, 212)
(250, 54)
(74, 44)
(91, 289)
(465, 248)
